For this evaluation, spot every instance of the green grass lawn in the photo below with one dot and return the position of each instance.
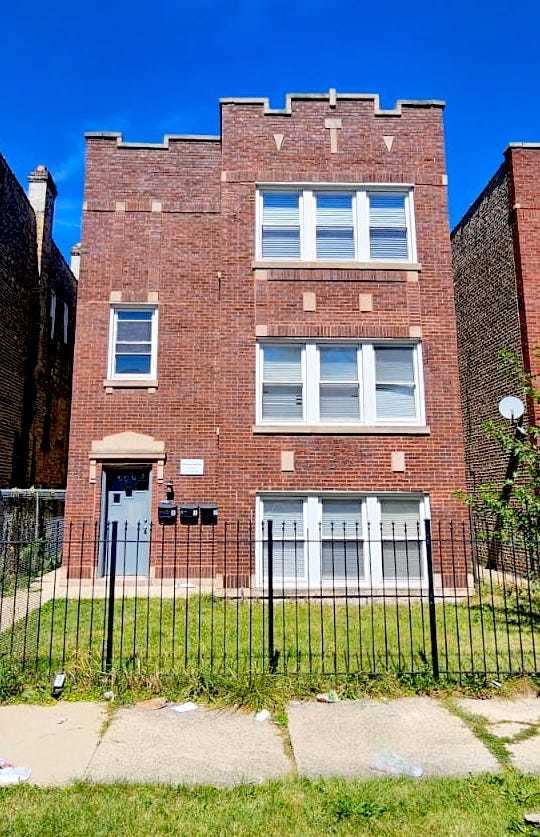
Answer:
(488, 806)
(494, 634)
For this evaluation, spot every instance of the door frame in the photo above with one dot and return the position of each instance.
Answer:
(120, 465)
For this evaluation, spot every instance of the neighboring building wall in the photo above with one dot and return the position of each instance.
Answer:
(487, 322)
(49, 432)
(36, 364)
(176, 224)
(18, 292)
(524, 167)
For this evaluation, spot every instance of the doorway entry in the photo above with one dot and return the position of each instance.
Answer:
(126, 503)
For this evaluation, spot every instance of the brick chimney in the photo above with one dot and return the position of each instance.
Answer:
(75, 263)
(42, 194)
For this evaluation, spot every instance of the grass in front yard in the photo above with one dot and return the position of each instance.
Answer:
(494, 634)
(489, 806)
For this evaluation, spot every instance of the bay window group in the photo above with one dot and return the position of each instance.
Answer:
(333, 224)
(343, 539)
(339, 383)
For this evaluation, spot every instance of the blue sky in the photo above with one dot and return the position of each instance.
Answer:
(152, 68)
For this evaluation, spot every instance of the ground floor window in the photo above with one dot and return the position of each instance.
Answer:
(343, 540)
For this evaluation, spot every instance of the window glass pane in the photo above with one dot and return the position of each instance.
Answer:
(342, 560)
(394, 402)
(287, 514)
(134, 330)
(335, 243)
(339, 401)
(388, 244)
(400, 517)
(281, 207)
(282, 363)
(387, 209)
(280, 243)
(288, 559)
(335, 237)
(338, 363)
(133, 348)
(134, 315)
(401, 560)
(342, 518)
(133, 364)
(282, 402)
(394, 364)
(334, 210)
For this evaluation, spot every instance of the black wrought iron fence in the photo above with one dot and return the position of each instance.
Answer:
(236, 599)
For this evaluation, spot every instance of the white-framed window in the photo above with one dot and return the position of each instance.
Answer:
(342, 540)
(339, 382)
(332, 223)
(133, 342)
(52, 313)
(66, 322)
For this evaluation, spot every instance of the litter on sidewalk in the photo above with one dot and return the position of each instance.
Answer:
(394, 765)
(262, 715)
(10, 775)
(180, 708)
(328, 697)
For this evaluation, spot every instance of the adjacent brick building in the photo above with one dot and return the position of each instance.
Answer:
(37, 327)
(266, 319)
(496, 259)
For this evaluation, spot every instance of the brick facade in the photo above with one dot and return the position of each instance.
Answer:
(179, 221)
(496, 260)
(35, 366)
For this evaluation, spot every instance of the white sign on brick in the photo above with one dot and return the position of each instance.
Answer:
(192, 467)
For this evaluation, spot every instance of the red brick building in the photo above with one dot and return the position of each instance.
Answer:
(37, 327)
(266, 319)
(496, 257)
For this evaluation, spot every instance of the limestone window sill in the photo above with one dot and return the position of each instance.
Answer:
(130, 383)
(343, 429)
(338, 265)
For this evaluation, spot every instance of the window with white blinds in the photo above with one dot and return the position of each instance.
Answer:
(343, 540)
(281, 225)
(335, 229)
(395, 382)
(339, 386)
(339, 383)
(342, 549)
(287, 516)
(282, 383)
(328, 224)
(388, 235)
(401, 539)
(133, 342)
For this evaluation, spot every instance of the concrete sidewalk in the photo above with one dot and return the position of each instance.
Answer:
(150, 742)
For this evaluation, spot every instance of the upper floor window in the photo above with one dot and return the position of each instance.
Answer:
(364, 224)
(133, 342)
(340, 382)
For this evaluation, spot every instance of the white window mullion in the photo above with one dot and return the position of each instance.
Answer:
(311, 383)
(419, 381)
(373, 550)
(308, 226)
(258, 228)
(362, 212)
(313, 541)
(368, 379)
(411, 227)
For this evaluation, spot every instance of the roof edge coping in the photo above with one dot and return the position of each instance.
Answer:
(332, 96)
(114, 135)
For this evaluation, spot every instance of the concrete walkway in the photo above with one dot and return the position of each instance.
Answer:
(150, 742)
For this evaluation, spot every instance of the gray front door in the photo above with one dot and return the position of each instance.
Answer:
(127, 504)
